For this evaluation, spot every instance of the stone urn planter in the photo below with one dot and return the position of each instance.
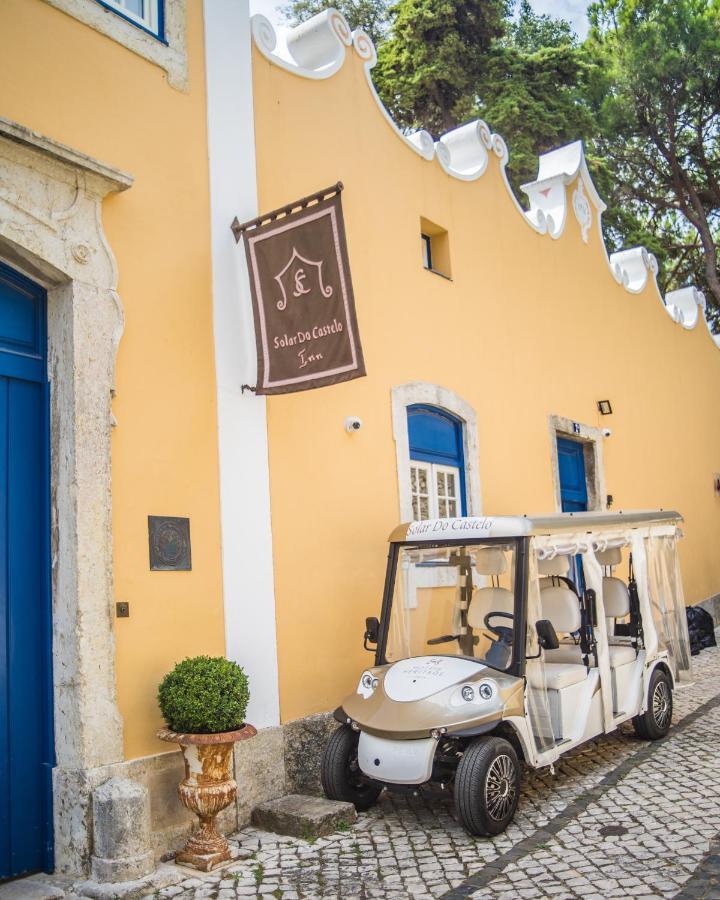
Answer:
(207, 789)
(203, 701)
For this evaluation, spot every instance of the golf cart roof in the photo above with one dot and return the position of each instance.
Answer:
(487, 527)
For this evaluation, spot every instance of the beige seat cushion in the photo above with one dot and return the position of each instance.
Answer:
(490, 599)
(616, 598)
(561, 606)
(620, 655)
(571, 653)
(565, 653)
(559, 675)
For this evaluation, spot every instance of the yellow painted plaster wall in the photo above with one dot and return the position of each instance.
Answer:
(66, 81)
(528, 327)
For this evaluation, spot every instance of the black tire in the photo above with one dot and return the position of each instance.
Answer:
(655, 722)
(487, 786)
(340, 774)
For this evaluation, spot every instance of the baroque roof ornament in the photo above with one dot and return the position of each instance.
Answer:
(317, 48)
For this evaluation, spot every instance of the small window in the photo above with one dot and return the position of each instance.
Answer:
(437, 467)
(145, 13)
(435, 246)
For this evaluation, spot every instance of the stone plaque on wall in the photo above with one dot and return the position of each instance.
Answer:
(169, 544)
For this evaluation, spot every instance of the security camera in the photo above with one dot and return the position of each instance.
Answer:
(353, 423)
(607, 432)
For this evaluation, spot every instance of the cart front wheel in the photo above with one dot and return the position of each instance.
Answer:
(341, 776)
(654, 723)
(487, 786)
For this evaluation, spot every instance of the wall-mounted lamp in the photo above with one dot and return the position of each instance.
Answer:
(716, 483)
(605, 407)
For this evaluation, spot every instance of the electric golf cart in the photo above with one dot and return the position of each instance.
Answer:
(510, 639)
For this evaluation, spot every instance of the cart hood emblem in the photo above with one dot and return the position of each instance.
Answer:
(421, 676)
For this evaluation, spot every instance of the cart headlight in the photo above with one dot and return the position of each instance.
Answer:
(485, 689)
(468, 693)
(368, 683)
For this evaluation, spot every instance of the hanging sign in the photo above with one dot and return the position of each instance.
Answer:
(305, 325)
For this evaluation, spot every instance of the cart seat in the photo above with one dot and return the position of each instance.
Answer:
(565, 653)
(616, 598)
(571, 653)
(490, 599)
(558, 676)
(620, 654)
(490, 561)
(564, 666)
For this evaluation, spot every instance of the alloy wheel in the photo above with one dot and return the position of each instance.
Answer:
(500, 787)
(661, 704)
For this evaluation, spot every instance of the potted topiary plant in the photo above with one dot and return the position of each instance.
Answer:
(203, 701)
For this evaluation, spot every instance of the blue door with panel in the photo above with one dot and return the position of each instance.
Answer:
(573, 482)
(26, 713)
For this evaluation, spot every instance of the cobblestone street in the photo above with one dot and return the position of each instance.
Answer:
(620, 817)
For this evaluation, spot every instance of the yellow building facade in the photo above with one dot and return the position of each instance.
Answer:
(128, 142)
(532, 328)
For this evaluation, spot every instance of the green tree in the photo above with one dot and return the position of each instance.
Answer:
(430, 67)
(526, 77)
(370, 15)
(534, 88)
(532, 32)
(658, 114)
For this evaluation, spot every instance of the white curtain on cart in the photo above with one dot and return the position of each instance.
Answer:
(538, 706)
(667, 600)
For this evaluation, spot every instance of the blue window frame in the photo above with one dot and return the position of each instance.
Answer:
(437, 462)
(148, 15)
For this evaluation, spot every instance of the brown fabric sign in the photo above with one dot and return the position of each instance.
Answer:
(303, 304)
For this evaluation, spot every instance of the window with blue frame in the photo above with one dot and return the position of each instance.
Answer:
(437, 463)
(147, 14)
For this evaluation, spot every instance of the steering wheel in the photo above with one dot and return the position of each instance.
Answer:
(500, 631)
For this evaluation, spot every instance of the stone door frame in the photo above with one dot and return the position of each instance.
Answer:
(592, 440)
(51, 231)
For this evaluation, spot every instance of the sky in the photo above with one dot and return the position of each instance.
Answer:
(572, 10)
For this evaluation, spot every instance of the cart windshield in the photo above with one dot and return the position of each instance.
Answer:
(457, 600)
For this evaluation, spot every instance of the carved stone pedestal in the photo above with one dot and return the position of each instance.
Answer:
(207, 789)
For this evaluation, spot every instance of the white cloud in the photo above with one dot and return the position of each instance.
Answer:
(270, 9)
(575, 11)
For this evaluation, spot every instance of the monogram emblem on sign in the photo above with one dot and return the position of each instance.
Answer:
(293, 278)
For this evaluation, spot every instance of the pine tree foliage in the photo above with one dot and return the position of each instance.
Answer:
(429, 69)
(658, 130)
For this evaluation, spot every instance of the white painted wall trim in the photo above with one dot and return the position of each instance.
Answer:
(592, 439)
(242, 425)
(422, 392)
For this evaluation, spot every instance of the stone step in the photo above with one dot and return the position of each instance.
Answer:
(305, 817)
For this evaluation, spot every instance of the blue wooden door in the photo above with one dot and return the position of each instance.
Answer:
(26, 741)
(436, 436)
(573, 483)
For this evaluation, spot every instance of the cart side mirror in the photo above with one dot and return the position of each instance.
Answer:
(372, 631)
(547, 638)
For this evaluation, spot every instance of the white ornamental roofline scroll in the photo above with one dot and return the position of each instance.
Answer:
(317, 48)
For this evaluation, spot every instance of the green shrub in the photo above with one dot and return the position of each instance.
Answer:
(204, 695)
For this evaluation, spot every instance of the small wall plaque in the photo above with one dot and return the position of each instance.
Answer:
(169, 544)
